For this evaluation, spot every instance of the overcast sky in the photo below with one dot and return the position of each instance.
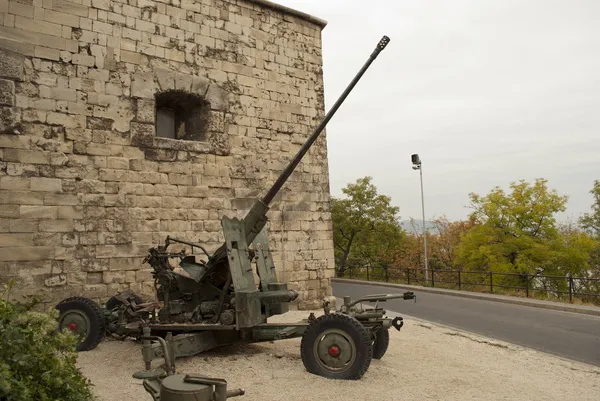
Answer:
(486, 92)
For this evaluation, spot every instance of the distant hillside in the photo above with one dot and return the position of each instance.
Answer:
(417, 225)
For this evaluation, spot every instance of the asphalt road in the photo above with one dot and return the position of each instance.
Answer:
(569, 335)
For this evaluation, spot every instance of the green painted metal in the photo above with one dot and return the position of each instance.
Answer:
(264, 262)
(168, 385)
(238, 254)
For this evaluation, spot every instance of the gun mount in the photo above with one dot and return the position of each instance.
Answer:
(206, 304)
(168, 385)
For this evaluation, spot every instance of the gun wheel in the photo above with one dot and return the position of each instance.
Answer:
(84, 318)
(381, 342)
(336, 346)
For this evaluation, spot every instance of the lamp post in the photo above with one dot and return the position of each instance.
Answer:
(417, 165)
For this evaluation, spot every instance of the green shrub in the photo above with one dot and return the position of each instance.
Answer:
(37, 362)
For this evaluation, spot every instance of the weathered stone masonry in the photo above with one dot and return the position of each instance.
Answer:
(87, 184)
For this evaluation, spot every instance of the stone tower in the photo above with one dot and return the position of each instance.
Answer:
(124, 121)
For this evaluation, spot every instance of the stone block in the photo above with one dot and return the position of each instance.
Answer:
(217, 97)
(95, 290)
(61, 199)
(165, 78)
(94, 278)
(7, 92)
(131, 57)
(61, 93)
(145, 26)
(11, 64)
(56, 226)
(25, 197)
(37, 26)
(142, 134)
(83, 59)
(66, 120)
(183, 82)
(70, 212)
(26, 156)
(24, 253)
(22, 9)
(14, 183)
(70, 239)
(38, 212)
(143, 86)
(9, 119)
(61, 18)
(14, 141)
(14, 239)
(175, 55)
(20, 225)
(199, 85)
(94, 265)
(117, 263)
(69, 7)
(43, 184)
(145, 110)
(102, 27)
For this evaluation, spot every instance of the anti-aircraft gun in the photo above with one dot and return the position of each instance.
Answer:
(206, 304)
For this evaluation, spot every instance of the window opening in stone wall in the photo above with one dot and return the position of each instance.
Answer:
(181, 115)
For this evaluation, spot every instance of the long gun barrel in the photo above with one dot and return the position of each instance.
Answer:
(292, 166)
(256, 219)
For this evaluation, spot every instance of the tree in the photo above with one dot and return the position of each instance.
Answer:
(442, 247)
(37, 362)
(591, 221)
(366, 230)
(514, 231)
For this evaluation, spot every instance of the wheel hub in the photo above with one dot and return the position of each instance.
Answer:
(76, 321)
(335, 350)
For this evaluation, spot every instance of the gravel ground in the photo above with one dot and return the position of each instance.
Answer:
(425, 361)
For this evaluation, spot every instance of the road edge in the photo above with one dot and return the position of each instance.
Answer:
(586, 310)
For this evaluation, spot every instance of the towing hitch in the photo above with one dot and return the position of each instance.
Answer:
(398, 322)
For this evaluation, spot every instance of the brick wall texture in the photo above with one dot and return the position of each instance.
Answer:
(86, 186)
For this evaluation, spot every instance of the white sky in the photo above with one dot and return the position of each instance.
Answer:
(486, 92)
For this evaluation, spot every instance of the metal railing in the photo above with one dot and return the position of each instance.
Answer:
(558, 288)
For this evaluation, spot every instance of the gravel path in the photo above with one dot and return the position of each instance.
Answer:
(424, 362)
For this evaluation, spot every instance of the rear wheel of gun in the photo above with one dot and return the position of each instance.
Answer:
(380, 342)
(336, 346)
(84, 318)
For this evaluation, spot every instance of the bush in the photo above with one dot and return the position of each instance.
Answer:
(37, 362)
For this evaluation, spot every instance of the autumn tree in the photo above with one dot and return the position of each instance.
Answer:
(443, 245)
(514, 231)
(366, 230)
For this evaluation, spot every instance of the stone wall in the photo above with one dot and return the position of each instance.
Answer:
(87, 185)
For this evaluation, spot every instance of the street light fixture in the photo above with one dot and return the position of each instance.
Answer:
(417, 165)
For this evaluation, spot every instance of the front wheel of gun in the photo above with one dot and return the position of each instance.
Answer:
(336, 346)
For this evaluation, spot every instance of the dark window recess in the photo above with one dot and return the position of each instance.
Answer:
(181, 115)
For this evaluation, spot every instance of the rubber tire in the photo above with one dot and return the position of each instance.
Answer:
(95, 315)
(354, 329)
(382, 340)
(113, 302)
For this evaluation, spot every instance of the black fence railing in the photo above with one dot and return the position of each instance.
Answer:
(559, 288)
